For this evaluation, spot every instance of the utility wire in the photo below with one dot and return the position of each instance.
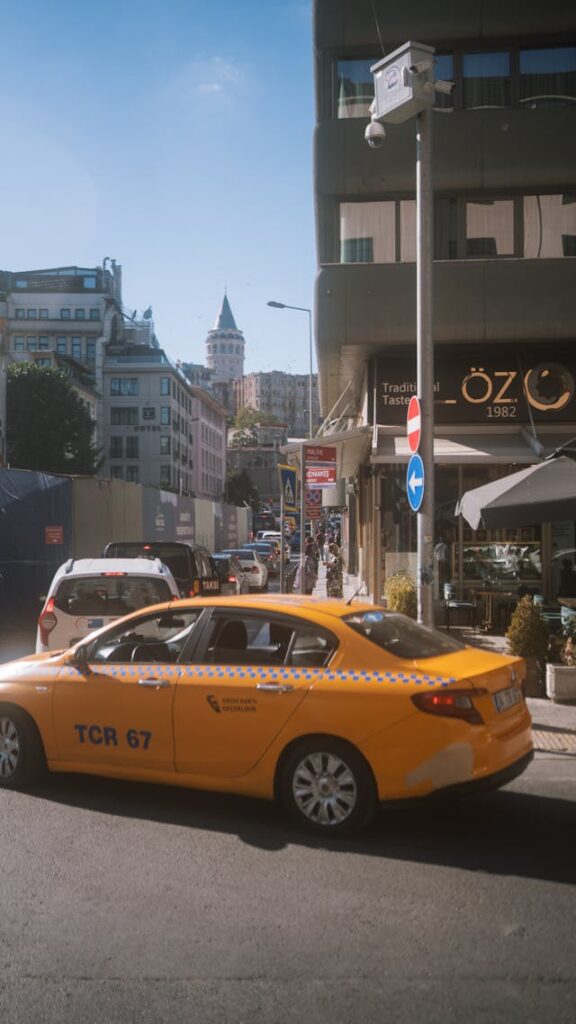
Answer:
(382, 47)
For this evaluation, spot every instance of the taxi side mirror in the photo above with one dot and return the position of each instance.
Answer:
(80, 659)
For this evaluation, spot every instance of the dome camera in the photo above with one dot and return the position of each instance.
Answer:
(375, 134)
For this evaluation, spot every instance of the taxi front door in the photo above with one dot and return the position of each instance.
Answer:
(116, 715)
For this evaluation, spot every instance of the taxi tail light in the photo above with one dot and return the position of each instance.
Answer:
(47, 620)
(232, 579)
(450, 704)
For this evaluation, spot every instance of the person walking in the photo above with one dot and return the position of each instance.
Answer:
(334, 564)
(310, 567)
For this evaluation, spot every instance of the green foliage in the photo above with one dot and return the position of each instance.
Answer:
(400, 591)
(527, 634)
(240, 489)
(49, 428)
(247, 417)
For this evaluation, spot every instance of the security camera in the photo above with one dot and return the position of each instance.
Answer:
(375, 134)
(420, 67)
(446, 88)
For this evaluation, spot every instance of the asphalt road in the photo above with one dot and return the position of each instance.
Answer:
(122, 902)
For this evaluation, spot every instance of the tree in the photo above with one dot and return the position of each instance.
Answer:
(240, 489)
(247, 417)
(48, 426)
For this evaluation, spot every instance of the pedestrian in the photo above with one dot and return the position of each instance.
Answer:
(334, 563)
(310, 566)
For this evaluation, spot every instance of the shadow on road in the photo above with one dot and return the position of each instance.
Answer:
(504, 833)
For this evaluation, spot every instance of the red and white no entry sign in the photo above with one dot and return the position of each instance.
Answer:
(413, 424)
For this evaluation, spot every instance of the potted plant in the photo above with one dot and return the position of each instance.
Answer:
(400, 592)
(561, 669)
(527, 637)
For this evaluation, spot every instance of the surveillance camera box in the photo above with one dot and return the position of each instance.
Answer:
(403, 83)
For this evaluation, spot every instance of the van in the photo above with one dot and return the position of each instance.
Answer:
(190, 564)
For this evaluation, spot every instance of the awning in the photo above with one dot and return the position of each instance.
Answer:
(539, 494)
(351, 448)
(490, 448)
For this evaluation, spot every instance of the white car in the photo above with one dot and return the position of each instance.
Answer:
(277, 536)
(253, 567)
(88, 593)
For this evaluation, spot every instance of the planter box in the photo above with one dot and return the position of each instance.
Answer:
(561, 682)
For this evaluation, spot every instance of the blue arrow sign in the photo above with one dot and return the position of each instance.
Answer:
(415, 482)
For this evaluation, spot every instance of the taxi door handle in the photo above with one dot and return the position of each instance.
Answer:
(152, 683)
(275, 687)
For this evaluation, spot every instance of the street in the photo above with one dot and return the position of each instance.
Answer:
(124, 902)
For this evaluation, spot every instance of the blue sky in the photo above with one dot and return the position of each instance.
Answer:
(176, 137)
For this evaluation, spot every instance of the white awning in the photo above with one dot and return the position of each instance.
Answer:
(490, 448)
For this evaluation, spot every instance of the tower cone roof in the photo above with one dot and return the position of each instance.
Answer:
(225, 320)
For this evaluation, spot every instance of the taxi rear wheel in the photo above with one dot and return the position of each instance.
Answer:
(22, 759)
(328, 787)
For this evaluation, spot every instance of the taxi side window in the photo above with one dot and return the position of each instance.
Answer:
(311, 649)
(248, 640)
(155, 638)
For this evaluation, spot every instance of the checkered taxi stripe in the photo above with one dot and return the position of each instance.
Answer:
(262, 674)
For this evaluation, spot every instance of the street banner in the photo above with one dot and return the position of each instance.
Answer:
(321, 476)
(288, 487)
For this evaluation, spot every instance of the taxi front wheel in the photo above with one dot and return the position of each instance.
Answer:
(22, 759)
(328, 787)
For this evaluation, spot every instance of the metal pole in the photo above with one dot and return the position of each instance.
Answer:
(425, 361)
(281, 536)
(310, 417)
(302, 514)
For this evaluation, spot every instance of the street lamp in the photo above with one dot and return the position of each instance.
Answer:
(303, 309)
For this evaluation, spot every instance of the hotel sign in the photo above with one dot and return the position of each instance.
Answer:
(492, 387)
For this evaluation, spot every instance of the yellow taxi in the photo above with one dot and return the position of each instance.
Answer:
(331, 708)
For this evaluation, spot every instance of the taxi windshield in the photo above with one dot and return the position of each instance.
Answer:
(401, 636)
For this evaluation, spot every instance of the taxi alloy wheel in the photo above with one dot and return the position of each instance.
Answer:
(21, 753)
(328, 786)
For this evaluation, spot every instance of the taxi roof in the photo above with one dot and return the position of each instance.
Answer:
(280, 602)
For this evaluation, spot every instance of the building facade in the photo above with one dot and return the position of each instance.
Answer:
(283, 395)
(504, 269)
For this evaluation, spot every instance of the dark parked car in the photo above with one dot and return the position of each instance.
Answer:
(190, 564)
(233, 579)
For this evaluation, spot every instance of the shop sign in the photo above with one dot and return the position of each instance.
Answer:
(320, 453)
(53, 534)
(501, 386)
(321, 476)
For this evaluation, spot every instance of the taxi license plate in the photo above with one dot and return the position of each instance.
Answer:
(507, 698)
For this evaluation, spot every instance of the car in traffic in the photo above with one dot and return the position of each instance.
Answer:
(253, 567)
(329, 708)
(276, 536)
(190, 564)
(269, 552)
(87, 593)
(232, 576)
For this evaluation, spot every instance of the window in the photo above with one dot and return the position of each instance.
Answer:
(367, 232)
(65, 314)
(79, 314)
(91, 350)
(148, 413)
(76, 348)
(165, 476)
(490, 228)
(354, 88)
(43, 314)
(94, 314)
(549, 226)
(61, 345)
(32, 344)
(165, 415)
(131, 447)
(401, 636)
(20, 314)
(89, 282)
(547, 77)
(165, 441)
(19, 343)
(123, 417)
(31, 314)
(124, 385)
(265, 640)
(132, 474)
(43, 343)
(164, 385)
(443, 71)
(486, 80)
(168, 632)
(116, 447)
